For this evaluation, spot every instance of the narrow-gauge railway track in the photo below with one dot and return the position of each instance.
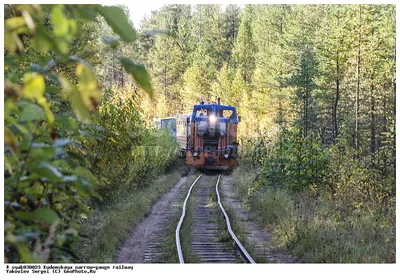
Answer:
(206, 241)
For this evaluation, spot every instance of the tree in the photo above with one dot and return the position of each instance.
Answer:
(244, 49)
(303, 80)
(231, 27)
(48, 181)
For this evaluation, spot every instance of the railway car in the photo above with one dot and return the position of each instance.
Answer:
(166, 123)
(182, 132)
(212, 136)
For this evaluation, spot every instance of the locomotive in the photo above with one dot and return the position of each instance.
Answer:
(208, 136)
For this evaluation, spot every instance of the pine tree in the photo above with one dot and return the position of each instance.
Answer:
(244, 49)
(231, 25)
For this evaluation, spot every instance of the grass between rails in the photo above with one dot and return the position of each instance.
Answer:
(109, 225)
(224, 236)
(170, 252)
(315, 228)
(169, 247)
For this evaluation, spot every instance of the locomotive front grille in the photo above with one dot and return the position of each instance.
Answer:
(210, 144)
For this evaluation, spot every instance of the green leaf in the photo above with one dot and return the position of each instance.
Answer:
(25, 254)
(64, 29)
(45, 214)
(66, 122)
(79, 157)
(81, 112)
(9, 42)
(36, 68)
(48, 171)
(61, 142)
(111, 41)
(139, 73)
(83, 172)
(86, 11)
(70, 178)
(89, 94)
(119, 23)
(52, 89)
(88, 87)
(34, 86)
(42, 41)
(83, 188)
(60, 28)
(60, 22)
(34, 89)
(10, 139)
(16, 25)
(42, 153)
(32, 112)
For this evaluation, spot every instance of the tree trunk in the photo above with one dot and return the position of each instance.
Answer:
(372, 124)
(394, 117)
(112, 67)
(200, 23)
(335, 107)
(356, 135)
(305, 102)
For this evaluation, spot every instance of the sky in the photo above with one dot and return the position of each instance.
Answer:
(144, 8)
(139, 10)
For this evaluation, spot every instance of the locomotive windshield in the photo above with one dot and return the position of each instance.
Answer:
(202, 112)
(228, 114)
(221, 112)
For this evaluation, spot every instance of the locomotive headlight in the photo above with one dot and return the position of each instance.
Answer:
(226, 156)
(195, 154)
(213, 119)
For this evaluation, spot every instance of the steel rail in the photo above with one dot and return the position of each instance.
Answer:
(178, 228)
(238, 243)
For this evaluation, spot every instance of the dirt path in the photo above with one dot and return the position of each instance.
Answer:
(257, 238)
(142, 238)
(145, 241)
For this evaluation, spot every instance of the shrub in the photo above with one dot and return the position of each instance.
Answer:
(120, 149)
(296, 163)
(50, 99)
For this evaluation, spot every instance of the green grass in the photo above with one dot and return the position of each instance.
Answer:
(316, 233)
(319, 229)
(170, 252)
(111, 224)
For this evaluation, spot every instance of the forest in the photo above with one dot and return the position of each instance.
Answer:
(315, 86)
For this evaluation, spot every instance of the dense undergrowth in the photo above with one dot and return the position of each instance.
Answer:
(131, 160)
(72, 148)
(125, 153)
(325, 204)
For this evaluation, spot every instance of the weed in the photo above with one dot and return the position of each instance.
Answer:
(318, 229)
(225, 237)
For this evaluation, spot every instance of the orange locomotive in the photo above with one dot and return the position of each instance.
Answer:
(211, 136)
